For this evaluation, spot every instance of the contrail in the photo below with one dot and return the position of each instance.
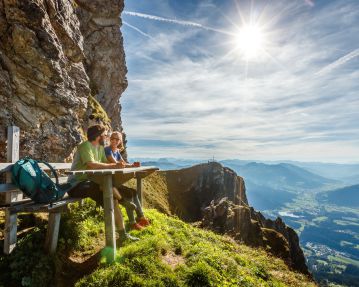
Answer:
(339, 62)
(136, 29)
(174, 21)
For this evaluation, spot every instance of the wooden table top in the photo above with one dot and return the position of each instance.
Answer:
(114, 171)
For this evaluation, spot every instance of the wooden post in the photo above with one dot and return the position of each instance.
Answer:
(139, 188)
(52, 233)
(10, 231)
(109, 218)
(13, 146)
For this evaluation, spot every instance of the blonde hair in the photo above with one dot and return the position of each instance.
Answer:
(120, 146)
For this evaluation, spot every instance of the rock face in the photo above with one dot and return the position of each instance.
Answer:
(55, 54)
(214, 197)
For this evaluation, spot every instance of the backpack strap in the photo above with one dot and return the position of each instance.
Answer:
(53, 171)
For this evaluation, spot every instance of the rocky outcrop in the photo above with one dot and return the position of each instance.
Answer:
(104, 53)
(214, 197)
(44, 86)
(55, 54)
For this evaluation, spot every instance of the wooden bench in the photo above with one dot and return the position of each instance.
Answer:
(12, 199)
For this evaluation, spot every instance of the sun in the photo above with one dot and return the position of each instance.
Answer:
(250, 41)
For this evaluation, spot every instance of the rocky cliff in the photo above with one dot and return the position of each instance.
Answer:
(214, 197)
(57, 57)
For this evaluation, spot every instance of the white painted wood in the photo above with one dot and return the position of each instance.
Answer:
(10, 231)
(52, 233)
(6, 166)
(139, 188)
(13, 143)
(13, 146)
(8, 187)
(114, 171)
(56, 165)
(109, 218)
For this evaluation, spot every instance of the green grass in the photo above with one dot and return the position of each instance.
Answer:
(173, 253)
(170, 253)
(320, 219)
(344, 260)
(345, 223)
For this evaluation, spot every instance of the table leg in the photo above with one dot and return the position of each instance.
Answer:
(139, 188)
(109, 218)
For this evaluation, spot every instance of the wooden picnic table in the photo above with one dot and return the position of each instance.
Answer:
(106, 178)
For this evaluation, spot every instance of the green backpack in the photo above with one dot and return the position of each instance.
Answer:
(35, 183)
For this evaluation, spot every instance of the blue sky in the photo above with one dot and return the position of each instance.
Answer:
(193, 94)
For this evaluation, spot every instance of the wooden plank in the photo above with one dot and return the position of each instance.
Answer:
(10, 231)
(6, 166)
(139, 188)
(140, 169)
(13, 146)
(56, 165)
(42, 207)
(8, 187)
(113, 171)
(13, 143)
(52, 233)
(109, 218)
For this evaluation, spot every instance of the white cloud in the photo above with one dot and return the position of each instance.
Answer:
(276, 110)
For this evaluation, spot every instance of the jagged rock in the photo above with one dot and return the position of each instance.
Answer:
(104, 54)
(47, 50)
(44, 86)
(214, 197)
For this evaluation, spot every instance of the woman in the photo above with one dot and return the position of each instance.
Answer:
(129, 197)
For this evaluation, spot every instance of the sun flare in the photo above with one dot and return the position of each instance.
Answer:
(250, 41)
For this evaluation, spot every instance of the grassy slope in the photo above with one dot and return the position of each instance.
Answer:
(173, 253)
(170, 253)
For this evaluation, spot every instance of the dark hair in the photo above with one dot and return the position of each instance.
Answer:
(94, 131)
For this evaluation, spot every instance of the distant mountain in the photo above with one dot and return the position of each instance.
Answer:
(344, 172)
(352, 180)
(346, 196)
(167, 163)
(267, 198)
(282, 176)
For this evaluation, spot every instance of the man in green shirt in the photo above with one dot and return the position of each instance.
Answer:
(91, 155)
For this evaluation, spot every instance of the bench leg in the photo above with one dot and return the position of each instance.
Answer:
(139, 188)
(10, 232)
(52, 234)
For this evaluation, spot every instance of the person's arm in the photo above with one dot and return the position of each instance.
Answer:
(101, 165)
(110, 159)
(125, 164)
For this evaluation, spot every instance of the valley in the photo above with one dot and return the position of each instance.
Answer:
(325, 218)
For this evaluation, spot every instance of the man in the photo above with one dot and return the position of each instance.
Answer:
(91, 155)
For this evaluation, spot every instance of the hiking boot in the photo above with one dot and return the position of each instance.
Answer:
(143, 222)
(136, 226)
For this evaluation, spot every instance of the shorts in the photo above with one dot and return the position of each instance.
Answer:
(126, 192)
(89, 189)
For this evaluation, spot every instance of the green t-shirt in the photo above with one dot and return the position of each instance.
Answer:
(86, 152)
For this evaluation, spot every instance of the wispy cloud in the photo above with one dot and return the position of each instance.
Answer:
(174, 21)
(339, 62)
(136, 29)
(184, 98)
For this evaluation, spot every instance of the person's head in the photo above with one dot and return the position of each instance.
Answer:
(96, 134)
(116, 140)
